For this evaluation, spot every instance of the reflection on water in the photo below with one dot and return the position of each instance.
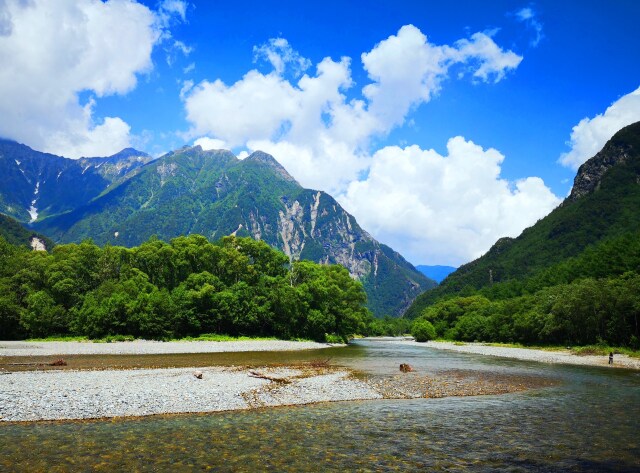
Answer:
(588, 423)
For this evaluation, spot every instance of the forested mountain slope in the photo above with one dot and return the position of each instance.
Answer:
(604, 204)
(16, 234)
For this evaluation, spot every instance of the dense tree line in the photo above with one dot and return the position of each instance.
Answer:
(189, 286)
(592, 298)
(588, 311)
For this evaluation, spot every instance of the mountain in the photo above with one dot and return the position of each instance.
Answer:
(35, 185)
(15, 233)
(123, 200)
(604, 205)
(435, 272)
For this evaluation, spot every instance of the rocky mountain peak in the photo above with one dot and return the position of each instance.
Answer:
(618, 150)
(268, 160)
(128, 153)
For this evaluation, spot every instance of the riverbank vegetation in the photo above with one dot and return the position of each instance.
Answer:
(591, 299)
(184, 288)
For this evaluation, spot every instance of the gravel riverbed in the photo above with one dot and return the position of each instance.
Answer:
(58, 395)
(148, 347)
(38, 395)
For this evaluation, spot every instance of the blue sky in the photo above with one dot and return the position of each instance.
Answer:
(583, 62)
(438, 166)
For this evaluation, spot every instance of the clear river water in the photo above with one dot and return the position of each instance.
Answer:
(588, 421)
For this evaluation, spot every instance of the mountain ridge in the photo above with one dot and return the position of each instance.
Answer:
(215, 194)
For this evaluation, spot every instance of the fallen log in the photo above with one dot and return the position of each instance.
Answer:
(257, 374)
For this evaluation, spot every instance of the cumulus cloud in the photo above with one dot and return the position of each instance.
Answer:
(210, 143)
(528, 16)
(310, 125)
(280, 54)
(590, 134)
(444, 209)
(492, 63)
(432, 208)
(53, 51)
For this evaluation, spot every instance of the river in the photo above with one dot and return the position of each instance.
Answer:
(588, 421)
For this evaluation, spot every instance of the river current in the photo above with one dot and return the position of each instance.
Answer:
(588, 421)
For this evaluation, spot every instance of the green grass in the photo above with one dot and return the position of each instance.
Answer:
(598, 350)
(205, 337)
(532, 347)
(603, 350)
(60, 338)
(215, 337)
(82, 338)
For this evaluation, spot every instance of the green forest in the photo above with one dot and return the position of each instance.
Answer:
(186, 287)
(593, 298)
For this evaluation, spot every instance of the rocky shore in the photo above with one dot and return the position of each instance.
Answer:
(531, 354)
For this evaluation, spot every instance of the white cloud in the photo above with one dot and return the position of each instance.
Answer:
(189, 68)
(210, 143)
(590, 135)
(279, 54)
(177, 48)
(187, 85)
(530, 18)
(169, 10)
(421, 203)
(491, 60)
(444, 209)
(53, 51)
(321, 136)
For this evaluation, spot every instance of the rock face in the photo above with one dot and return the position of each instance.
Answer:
(125, 199)
(37, 244)
(591, 172)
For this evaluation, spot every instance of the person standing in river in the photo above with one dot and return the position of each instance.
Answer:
(610, 357)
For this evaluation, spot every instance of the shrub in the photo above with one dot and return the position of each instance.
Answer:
(423, 330)
(334, 338)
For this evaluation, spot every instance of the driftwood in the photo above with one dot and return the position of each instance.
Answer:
(257, 374)
(319, 363)
(59, 362)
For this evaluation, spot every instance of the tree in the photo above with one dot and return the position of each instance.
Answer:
(423, 330)
(42, 317)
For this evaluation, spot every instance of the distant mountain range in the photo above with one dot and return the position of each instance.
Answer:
(127, 198)
(35, 185)
(604, 206)
(435, 272)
